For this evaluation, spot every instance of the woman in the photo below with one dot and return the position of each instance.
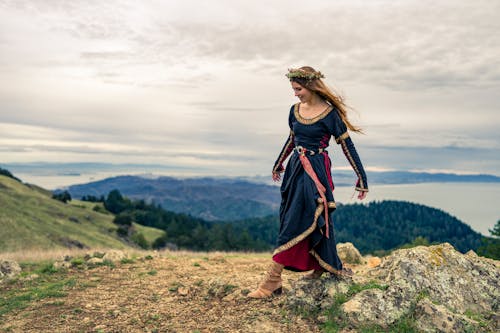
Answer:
(306, 240)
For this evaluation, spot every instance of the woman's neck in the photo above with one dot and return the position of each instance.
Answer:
(314, 101)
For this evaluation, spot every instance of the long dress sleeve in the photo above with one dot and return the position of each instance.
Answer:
(287, 147)
(339, 131)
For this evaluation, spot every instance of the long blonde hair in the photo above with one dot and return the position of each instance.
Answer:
(319, 87)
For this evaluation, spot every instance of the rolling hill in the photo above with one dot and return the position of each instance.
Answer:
(31, 219)
(207, 198)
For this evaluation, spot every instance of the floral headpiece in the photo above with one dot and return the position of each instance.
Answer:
(302, 74)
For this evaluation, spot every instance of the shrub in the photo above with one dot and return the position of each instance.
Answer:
(139, 239)
(123, 219)
(62, 196)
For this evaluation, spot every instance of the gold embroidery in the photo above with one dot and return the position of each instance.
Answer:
(351, 161)
(323, 263)
(331, 204)
(283, 153)
(303, 235)
(309, 121)
(342, 137)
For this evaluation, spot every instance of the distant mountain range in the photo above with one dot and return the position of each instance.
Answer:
(208, 198)
(235, 198)
(341, 177)
(347, 178)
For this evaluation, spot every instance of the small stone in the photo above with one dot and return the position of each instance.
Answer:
(98, 254)
(62, 265)
(95, 261)
(183, 291)
(9, 268)
(114, 255)
(231, 297)
(322, 319)
(351, 306)
(348, 253)
(31, 277)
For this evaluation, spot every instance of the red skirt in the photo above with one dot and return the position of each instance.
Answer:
(298, 257)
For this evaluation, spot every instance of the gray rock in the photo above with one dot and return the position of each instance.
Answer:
(95, 261)
(348, 253)
(437, 285)
(9, 268)
(447, 276)
(114, 256)
(376, 306)
(62, 265)
(93, 254)
(98, 254)
(431, 317)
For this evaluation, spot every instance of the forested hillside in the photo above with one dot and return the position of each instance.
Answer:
(383, 226)
(376, 226)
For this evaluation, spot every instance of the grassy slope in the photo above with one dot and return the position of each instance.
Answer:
(30, 218)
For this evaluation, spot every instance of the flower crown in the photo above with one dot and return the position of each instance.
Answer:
(302, 74)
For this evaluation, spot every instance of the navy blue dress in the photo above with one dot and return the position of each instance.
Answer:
(303, 230)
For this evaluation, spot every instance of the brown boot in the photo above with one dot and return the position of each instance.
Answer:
(272, 283)
(314, 275)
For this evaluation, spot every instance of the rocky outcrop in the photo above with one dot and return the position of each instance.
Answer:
(441, 288)
(91, 259)
(349, 254)
(114, 256)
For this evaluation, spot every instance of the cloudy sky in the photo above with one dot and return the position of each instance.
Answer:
(200, 85)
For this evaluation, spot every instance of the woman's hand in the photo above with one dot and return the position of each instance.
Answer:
(276, 177)
(362, 195)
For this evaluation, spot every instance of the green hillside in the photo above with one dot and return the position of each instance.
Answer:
(31, 219)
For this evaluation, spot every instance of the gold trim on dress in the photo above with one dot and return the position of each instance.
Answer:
(323, 263)
(309, 121)
(353, 164)
(303, 235)
(331, 204)
(342, 137)
(283, 153)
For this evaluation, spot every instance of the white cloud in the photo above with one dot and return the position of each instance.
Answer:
(207, 78)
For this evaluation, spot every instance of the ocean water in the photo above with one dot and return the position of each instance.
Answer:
(477, 204)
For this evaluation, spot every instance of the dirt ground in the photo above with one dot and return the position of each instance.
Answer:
(168, 293)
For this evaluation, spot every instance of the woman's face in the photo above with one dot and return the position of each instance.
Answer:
(303, 94)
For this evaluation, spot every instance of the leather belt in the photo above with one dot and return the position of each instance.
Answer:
(302, 150)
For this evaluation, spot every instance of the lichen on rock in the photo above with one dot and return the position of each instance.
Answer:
(436, 285)
(9, 269)
(349, 254)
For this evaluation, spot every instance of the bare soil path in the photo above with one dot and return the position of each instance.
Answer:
(167, 293)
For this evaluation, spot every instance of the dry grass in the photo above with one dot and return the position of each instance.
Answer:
(36, 255)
